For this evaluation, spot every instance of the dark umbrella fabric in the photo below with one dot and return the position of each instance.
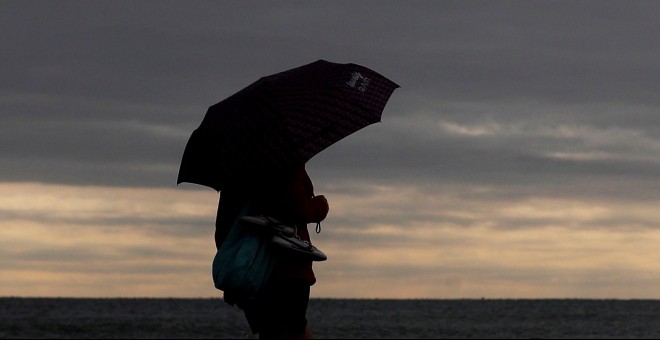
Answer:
(283, 119)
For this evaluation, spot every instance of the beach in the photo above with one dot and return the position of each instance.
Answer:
(332, 318)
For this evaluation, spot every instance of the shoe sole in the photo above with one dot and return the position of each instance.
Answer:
(314, 253)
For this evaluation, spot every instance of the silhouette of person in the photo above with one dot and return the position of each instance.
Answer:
(288, 195)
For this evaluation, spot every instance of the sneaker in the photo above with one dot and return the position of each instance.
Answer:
(293, 242)
(269, 224)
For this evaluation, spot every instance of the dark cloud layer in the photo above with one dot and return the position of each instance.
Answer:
(530, 95)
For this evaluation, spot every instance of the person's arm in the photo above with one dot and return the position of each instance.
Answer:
(295, 200)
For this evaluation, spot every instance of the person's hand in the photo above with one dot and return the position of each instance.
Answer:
(320, 207)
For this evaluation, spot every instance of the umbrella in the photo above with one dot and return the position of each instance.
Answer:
(283, 119)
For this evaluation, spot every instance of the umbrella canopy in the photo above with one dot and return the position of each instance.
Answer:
(283, 119)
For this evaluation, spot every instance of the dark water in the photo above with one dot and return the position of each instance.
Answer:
(333, 318)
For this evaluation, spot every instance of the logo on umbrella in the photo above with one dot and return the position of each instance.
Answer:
(357, 76)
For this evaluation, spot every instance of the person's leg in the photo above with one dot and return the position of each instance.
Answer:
(283, 312)
(306, 334)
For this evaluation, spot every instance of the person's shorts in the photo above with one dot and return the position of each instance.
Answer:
(281, 309)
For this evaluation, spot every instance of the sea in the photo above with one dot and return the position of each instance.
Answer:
(160, 318)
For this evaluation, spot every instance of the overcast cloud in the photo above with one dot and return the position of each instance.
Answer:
(525, 106)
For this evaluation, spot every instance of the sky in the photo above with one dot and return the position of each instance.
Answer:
(519, 158)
